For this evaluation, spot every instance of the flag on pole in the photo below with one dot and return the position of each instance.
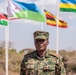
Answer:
(68, 5)
(3, 19)
(24, 10)
(51, 20)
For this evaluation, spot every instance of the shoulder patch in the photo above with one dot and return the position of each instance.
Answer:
(29, 54)
(54, 54)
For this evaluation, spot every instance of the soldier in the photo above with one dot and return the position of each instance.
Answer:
(42, 61)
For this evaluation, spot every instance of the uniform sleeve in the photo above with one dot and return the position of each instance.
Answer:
(22, 67)
(63, 71)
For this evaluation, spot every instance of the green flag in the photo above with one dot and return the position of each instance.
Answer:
(3, 19)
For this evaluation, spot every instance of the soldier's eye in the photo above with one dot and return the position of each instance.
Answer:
(39, 40)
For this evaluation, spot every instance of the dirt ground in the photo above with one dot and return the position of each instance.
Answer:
(13, 73)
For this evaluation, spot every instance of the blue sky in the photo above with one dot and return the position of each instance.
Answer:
(21, 31)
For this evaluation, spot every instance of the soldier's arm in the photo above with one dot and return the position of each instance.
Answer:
(63, 71)
(22, 67)
(59, 68)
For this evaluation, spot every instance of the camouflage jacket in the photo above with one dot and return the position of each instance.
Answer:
(50, 64)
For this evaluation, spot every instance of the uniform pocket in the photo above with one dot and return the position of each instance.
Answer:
(29, 68)
(49, 68)
(30, 64)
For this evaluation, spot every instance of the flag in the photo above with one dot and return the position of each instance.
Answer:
(51, 20)
(68, 5)
(24, 10)
(3, 19)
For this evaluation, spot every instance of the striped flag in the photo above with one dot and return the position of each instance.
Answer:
(3, 19)
(51, 20)
(68, 5)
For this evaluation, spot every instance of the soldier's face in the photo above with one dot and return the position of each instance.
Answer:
(41, 44)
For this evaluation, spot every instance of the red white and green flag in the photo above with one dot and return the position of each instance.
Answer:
(3, 19)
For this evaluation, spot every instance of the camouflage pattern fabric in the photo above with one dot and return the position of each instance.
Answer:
(41, 35)
(50, 64)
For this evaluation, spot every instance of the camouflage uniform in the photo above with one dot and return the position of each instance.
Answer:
(50, 64)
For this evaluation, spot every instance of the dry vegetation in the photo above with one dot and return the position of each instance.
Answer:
(15, 57)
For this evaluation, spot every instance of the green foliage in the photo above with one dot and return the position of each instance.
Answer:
(2, 53)
(12, 51)
(2, 60)
(22, 51)
(14, 60)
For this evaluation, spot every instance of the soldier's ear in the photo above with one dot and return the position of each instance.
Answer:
(47, 41)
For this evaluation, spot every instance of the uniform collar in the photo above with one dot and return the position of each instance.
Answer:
(47, 55)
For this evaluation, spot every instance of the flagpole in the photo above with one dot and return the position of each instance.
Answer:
(6, 46)
(42, 28)
(42, 22)
(57, 20)
(6, 42)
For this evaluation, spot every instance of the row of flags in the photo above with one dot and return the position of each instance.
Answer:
(22, 10)
(50, 20)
